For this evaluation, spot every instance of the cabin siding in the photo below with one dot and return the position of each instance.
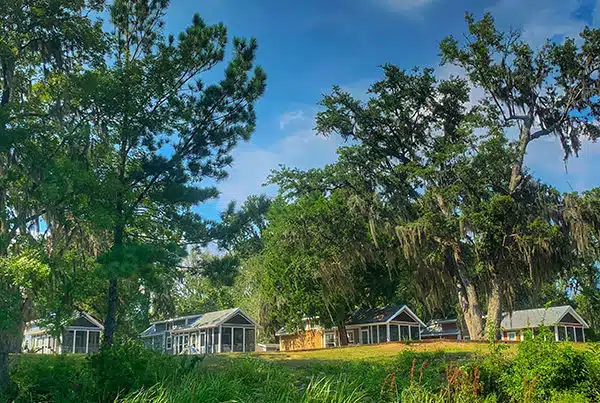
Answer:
(305, 340)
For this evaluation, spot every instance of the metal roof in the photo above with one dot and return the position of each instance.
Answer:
(366, 316)
(200, 320)
(530, 318)
(434, 328)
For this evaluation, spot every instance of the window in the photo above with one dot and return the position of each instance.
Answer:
(350, 334)
(571, 333)
(238, 339)
(193, 340)
(250, 339)
(80, 341)
(226, 339)
(67, 344)
(364, 332)
(169, 341)
(94, 342)
(404, 332)
(394, 333)
(382, 333)
(512, 336)
(330, 339)
(414, 332)
(579, 333)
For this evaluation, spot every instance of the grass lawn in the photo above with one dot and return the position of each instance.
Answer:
(379, 352)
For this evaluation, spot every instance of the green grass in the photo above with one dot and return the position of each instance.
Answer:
(391, 372)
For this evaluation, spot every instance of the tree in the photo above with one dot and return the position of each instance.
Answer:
(156, 130)
(319, 261)
(41, 45)
(550, 91)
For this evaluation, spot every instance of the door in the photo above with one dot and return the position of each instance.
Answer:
(365, 336)
(203, 342)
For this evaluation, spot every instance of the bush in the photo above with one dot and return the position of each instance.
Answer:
(51, 378)
(543, 368)
(129, 366)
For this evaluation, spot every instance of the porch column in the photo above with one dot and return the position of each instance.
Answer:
(74, 338)
(583, 333)
(387, 330)
(220, 337)
(87, 341)
(556, 332)
(574, 334)
(377, 333)
(232, 331)
(244, 340)
(360, 340)
(409, 333)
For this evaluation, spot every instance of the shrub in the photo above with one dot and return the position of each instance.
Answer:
(127, 367)
(542, 368)
(51, 378)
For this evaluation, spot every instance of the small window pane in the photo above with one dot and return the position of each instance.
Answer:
(94, 342)
(394, 333)
(404, 333)
(80, 339)
(226, 340)
(67, 343)
(250, 340)
(414, 332)
(382, 333)
(579, 333)
(570, 333)
(238, 339)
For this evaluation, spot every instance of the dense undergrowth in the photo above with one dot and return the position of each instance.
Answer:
(540, 371)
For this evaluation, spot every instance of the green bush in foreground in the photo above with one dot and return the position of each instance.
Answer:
(541, 371)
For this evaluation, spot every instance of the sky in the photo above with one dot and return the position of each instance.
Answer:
(308, 46)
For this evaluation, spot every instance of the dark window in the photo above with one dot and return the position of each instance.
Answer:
(67, 341)
(250, 339)
(239, 320)
(83, 322)
(382, 333)
(80, 340)
(404, 333)
(373, 334)
(394, 334)
(94, 342)
(238, 339)
(226, 339)
(579, 333)
(414, 332)
(570, 333)
(568, 318)
(403, 317)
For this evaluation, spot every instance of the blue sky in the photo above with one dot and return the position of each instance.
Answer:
(307, 46)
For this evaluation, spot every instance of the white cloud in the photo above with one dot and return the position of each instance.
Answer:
(545, 160)
(252, 164)
(289, 117)
(539, 19)
(404, 5)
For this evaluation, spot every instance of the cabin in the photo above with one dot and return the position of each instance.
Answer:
(203, 333)
(80, 336)
(563, 321)
(364, 326)
(443, 329)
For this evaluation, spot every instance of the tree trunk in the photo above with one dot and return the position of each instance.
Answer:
(494, 312)
(110, 324)
(111, 313)
(343, 335)
(4, 379)
(468, 301)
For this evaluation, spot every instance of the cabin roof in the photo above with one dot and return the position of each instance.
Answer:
(531, 318)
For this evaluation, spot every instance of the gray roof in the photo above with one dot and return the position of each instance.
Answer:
(373, 315)
(530, 318)
(434, 328)
(198, 321)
